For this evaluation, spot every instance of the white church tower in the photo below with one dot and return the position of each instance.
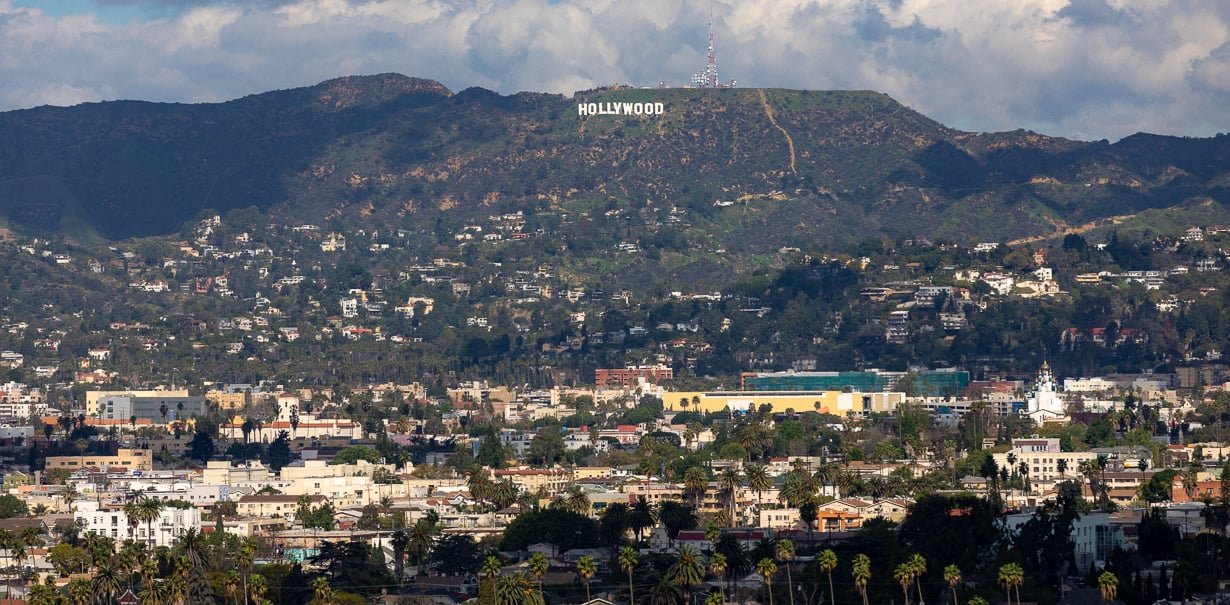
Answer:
(1044, 402)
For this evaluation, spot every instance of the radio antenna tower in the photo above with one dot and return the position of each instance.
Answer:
(709, 77)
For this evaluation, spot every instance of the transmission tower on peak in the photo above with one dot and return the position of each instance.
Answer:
(709, 77)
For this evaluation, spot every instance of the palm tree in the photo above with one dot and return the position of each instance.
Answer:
(244, 560)
(978, 600)
(664, 592)
(766, 568)
(538, 567)
(1108, 583)
(758, 480)
(827, 562)
(687, 571)
(904, 575)
(400, 540)
(231, 583)
(717, 566)
(491, 571)
(861, 570)
(578, 501)
(257, 587)
(586, 568)
(695, 482)
(517, 589)
(952, 575)
(1012, 576)
(321, 590)
(79, 591)
(641, 517)
(106, 582)
(675, 516)
(918, 564)
(627, 562)
(785, 553)
(729, 482)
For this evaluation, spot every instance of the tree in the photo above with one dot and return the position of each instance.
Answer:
(491, 571)
(538, 567)
(695, 482)
(904, 575)
(687, 571)
(278, 454)
(758, 480)
(321, 591)
(1012, 576)
(641, 517)
(717, 566)
(556, 526)
(952, 575)
(1108, 583)
(627, 562)
(400, 541)
(675, 517)
(918, 565)
(454, 554)
(586, 568)
(729, 482)
(785, 553)
(827, 562)
(861, 571)
(12, 506)
(106, 582)
(766, 568)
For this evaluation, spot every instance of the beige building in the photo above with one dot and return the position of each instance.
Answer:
(93, 408)
(554, 481)
(125, 458)
(281, 506)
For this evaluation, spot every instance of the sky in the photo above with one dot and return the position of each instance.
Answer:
(1083, 69)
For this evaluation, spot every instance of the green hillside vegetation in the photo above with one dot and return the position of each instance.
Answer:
(717, 184)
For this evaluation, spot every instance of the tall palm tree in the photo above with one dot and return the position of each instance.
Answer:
(664, 592)
(586, 569)
(538, 567)
(244, 559)
(675, 516)
(687, 571)
(695, 482)
(627, 562)
(766, 568)
(106, 582)
(827, 562)
(1012, 576)
(861, 570)
(758, 480)
(1108, 583)
(717, 566)
(904, 575)
(729, 482)
(400, 540)
(148, 510)
(491, 571)
(641, 517)
(785, 553)
(230, 583)
(952, 575)
(918, 564)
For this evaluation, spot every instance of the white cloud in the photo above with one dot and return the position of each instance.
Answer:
(1080, 68)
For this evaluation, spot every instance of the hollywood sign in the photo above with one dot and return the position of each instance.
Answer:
(619, 108)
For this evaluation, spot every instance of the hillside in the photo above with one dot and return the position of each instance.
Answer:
(741, 170)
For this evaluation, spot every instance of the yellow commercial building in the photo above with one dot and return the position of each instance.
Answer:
(125, 458)
(838, 403)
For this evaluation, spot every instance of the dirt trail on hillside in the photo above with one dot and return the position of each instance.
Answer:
(768, 112)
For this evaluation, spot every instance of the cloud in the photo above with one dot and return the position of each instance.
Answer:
(1078, 68)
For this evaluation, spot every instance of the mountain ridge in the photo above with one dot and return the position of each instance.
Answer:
(404, 152)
